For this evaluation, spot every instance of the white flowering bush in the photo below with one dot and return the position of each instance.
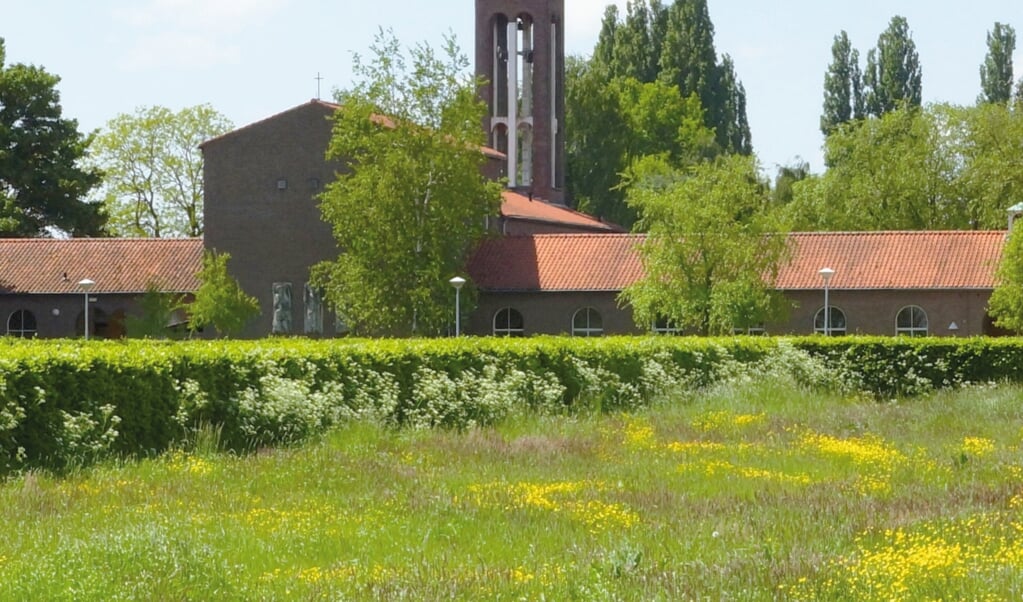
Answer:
(477, 398)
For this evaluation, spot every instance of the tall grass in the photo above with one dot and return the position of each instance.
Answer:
(756, 489)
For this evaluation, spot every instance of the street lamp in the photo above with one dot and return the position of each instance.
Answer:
(86, 286)
(826, 274)
(457, 282)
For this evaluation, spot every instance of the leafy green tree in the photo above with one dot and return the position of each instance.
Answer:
(713, 249)
(733, 126)
(895, 172)
(688, 58)
(988, 138)
(596, 139)
(153, 181)
(1006, 303)
(412, 204)
(675, 46)
(786, 178)
(156, 314)
(603, 52)
(843, 86)
(996, 72)
(634, 54)
(893, 76)
(220, 301)
(43, 186)
(613, 124)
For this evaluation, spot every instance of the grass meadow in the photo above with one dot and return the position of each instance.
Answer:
(745, 491)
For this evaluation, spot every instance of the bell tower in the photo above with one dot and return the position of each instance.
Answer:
(520, 52)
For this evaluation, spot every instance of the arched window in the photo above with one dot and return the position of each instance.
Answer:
(22, 323)
(837, 325)
(508, 322)
(911, 321)
(587, 323)
(753, 331)
(663, 325)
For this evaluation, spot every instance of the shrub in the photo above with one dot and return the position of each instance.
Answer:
(67, 403)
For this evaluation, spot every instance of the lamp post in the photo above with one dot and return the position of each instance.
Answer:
(457, 282)
(86, 286)
(826, 274)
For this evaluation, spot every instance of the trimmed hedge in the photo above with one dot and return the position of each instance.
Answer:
(67, 403)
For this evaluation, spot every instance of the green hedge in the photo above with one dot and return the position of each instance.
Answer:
(65, 403)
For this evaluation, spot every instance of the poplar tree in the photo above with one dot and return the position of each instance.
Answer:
(603, 52)
(843, 86)
(634, 54)
(996, 71)
(733, 126)
(688, 59)
(893, 74)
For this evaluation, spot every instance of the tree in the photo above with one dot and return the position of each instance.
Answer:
(613, 124)
(156, 314)
(895, 172)
(786, 178)
(220, 301)
(843, 94)
(596, 140)
(634, 55)
(675, 46)
(153, 166)
(42, 182)
(713, 249)
(893, 75)
(603, 52)
(988, 138)
(1006, 302)
(688, 59)
(996, 72)
(733, 127)
(412, 204)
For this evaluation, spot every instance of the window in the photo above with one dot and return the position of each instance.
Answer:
(911, 321)
(837, 325)
(22, 323)
(663, 325)
(587, 323)
(509, 323)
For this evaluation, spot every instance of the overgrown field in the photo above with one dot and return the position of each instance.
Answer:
(754, 488)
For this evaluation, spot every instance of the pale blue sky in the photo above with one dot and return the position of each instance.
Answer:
(253, 58)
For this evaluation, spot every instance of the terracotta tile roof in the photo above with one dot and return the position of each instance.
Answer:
(894, 260)
(116, 265)
(861, 260)
(519, 206)
(556, 262)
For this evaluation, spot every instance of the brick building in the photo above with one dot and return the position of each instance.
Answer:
(884, 283)
(554, 270)
(40, 295)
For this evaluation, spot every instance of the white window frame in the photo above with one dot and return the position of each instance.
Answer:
(833, 330)
(506, 330)
(753, 331)
(22, 332)
(589, 330)
(665, 326)
(912, 330)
